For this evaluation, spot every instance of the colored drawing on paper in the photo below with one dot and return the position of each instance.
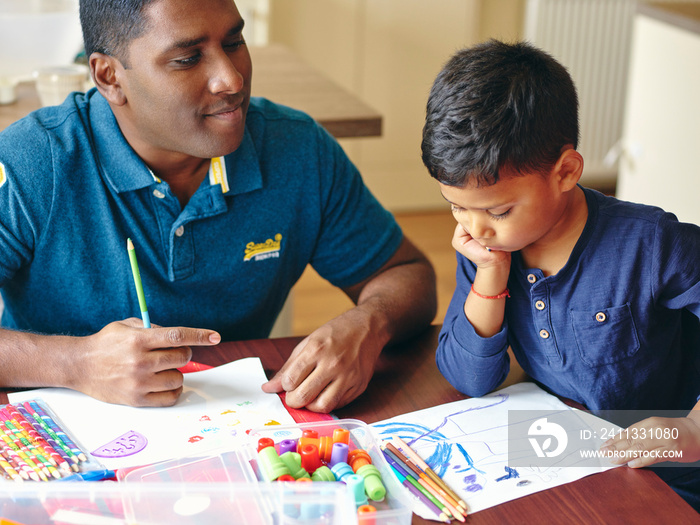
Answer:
(125, 445)
(466, 443)
(214, 411)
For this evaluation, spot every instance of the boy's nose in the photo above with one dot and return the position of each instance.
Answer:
(479, 229)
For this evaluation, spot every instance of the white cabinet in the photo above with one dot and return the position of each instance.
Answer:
(661, 136)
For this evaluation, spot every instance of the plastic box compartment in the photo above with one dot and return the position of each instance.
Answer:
(111, 503)
(393, 510)
(223, 487)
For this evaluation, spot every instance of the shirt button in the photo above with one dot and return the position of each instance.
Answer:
(600, 317)
(544, 334)
(180, 231)
(539, 305)
(531, 278)
(159, 194)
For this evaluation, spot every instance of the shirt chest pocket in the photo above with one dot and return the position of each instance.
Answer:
(605, 336)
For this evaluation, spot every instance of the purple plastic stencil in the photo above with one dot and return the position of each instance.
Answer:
(127, 444)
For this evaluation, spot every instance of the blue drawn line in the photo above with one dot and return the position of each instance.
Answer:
(502, 398)
(510, 474)
(468, 459)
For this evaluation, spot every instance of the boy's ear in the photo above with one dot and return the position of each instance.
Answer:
(569, 168)
(106, 72)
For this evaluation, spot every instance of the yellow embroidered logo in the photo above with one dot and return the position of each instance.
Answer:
(263, 250)
(3, 176)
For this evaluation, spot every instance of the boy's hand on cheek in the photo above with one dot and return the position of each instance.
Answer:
(655, 440)
(475, 252)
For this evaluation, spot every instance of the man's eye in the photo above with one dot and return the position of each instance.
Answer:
(187, 61)
(235, 45)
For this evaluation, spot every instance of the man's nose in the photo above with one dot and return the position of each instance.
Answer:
(225, 76)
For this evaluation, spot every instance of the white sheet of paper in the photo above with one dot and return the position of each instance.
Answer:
(215, 410)
(466, 443)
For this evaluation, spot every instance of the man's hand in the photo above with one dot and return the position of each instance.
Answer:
(334, 364)
(330, 367)
(127, 364)
(657, 439)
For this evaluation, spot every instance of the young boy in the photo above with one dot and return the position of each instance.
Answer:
(598, 298)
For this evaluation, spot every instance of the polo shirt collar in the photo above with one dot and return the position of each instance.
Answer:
(125, 171)
(243, 167)
(120, 165)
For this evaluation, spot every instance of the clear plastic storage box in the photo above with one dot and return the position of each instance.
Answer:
(221, 488)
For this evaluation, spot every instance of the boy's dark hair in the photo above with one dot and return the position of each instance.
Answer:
(109, 26)
(498, 105)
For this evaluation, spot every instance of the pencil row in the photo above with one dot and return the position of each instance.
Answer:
(34, 447)
(423, 482)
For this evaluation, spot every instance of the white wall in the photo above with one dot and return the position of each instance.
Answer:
(661, 136)
(388, 53)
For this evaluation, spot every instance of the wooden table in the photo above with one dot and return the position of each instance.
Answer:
(281, 76)
(407, 379)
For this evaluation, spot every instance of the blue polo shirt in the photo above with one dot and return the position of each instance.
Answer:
(72, 191)
(616, 328)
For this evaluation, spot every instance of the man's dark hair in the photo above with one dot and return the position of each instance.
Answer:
(498, 105)
(109, 26)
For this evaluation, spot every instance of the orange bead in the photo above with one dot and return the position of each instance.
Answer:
(341, 435)
(366, 515)
(358, 458)
(324, 444)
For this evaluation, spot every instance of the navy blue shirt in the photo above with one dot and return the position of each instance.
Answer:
(616, 328)
(72, 191)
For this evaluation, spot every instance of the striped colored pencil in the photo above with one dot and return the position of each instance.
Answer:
(68, 463)
(18, 433)
(47, 450)
(22, 470)
(19, 464)
(9, 469)
(32, 464)
(429, 471)
(42, 422)
(57, 429)
(11, 440)
(27, 447)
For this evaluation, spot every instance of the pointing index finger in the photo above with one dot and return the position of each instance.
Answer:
(183, 336)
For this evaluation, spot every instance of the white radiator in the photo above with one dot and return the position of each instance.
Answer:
(592, 39)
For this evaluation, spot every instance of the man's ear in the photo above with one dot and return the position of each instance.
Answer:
(569, 168)
(106, 72)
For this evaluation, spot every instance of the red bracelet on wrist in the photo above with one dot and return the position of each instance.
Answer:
(503, 294)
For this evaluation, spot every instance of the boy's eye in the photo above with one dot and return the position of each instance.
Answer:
(454, 208)
(498, 216)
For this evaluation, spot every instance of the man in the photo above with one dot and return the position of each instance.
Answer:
(227, 199)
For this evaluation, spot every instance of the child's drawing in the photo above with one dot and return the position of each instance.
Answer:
(216, 409)
(466, 443)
